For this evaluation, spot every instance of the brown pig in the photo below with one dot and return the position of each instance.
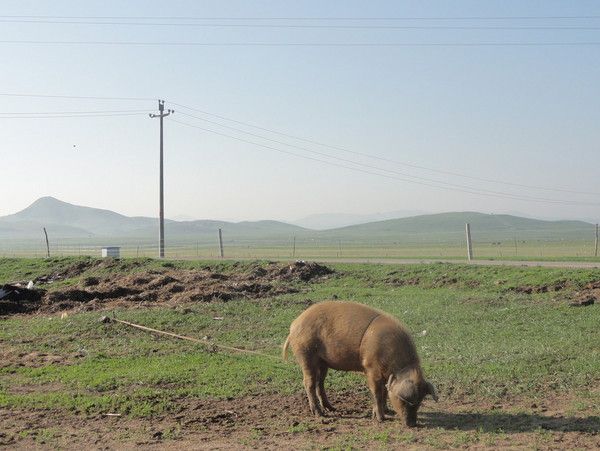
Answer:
(348, 336)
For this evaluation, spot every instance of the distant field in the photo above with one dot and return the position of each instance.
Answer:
(307, 249)
(515, 365)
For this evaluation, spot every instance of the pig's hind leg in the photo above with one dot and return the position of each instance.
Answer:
(310, 371)
(325, 404)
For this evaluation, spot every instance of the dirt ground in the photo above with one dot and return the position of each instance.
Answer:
(276, 422)
(147, 288)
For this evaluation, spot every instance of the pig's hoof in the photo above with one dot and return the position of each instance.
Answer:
(317, 412)
(329, 407)
(377, 417)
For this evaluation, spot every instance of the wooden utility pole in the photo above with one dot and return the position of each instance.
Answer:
(596, 243)
(161, 227)
(294, 248)
(469, 243)
(48, 244)
(221, 243)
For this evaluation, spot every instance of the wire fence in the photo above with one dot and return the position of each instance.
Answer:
(312, 248)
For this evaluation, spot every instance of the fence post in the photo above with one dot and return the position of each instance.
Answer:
(469, 243)
(221, 243)
(596, 243)
(48, 244)
(294, 248)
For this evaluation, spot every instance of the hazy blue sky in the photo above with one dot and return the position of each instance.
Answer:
(521, 114)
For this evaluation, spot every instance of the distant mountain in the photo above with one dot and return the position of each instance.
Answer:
(56, 214)
(451, 226)
(206, 229)
(182, 218)
(25, 230)
(326, 221)
(64, 220)
(68, 221)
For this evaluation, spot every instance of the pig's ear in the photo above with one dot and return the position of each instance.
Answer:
(390, 381)
(431, 391)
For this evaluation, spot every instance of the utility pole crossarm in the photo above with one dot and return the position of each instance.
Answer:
(161, 232)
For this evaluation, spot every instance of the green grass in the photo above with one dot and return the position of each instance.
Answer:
(483, 341)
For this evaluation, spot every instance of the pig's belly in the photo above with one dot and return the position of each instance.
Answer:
(337, 358)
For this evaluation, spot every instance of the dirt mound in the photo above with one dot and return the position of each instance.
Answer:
(441, 281)
(305, 271)
(81, 267)
(588, 295)
(529, 289)
(16, 298)
(166, 286)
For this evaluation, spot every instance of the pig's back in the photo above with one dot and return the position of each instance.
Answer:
(334, 330)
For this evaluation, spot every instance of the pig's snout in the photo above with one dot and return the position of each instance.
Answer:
(411, 417)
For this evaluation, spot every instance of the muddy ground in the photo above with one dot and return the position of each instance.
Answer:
(284, 422)
(146, 288)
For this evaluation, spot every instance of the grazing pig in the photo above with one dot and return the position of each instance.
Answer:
(348, 336)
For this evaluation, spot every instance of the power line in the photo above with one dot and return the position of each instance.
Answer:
(305, 44)
(339, 148)
(69, 116)
(302, 26)
(71, 112)
(387, 160)
(322, 18)
(345, 160)
(4, 94)
(470, 191)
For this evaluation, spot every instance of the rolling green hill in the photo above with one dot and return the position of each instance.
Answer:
(67, 221)
(451, 227)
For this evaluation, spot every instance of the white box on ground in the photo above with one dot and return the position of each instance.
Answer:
(111, 251)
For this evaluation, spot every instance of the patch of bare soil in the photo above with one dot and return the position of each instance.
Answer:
(443, 280)
(10, 358)
(275, 422)
(589, 295)
(529, 289)
(401, 282)
(172, 286)
(17, 298)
